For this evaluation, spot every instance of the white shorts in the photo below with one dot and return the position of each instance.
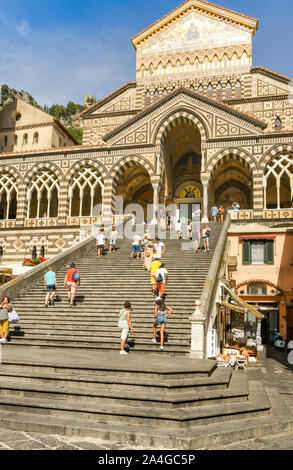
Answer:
(124, 334)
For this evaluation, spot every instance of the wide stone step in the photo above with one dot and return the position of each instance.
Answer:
(151, 416)
(106, 338)
(34, 343)
(220, 379)
(116, 395)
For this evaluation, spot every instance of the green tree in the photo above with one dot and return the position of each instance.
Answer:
(77, 133)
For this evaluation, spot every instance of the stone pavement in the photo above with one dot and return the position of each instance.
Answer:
(272, 370)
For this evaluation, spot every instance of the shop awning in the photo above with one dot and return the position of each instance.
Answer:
(241, 303)
(233, 307)
(257, 237)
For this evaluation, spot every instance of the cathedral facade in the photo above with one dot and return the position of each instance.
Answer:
(199, 125)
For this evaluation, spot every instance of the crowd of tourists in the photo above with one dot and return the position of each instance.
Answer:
(218, 213)
(149, 251)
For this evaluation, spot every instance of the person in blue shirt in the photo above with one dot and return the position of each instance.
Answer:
(50, 284)
(236, 206)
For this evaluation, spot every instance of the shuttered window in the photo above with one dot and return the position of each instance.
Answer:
(257, 252)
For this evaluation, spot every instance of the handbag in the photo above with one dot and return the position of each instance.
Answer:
(12, 316)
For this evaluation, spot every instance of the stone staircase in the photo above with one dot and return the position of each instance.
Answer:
(62, 372)
(105, 285)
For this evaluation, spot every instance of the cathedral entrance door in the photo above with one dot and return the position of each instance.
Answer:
(189, 211)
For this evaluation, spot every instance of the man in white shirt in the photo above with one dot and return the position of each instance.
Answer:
(136, 246)
(113, 238)
(101, 240)
(159, 248)
(162, 279)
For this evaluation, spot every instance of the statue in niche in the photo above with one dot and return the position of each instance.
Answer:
(192, 33)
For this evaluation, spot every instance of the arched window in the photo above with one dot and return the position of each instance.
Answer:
(5, 141)
(165, 91)
(278, 182)
(235, 60)
(210, 90)
(25, 139)
(36, 138)
(238, 91)
(178, 66)
(191, 87)
(278, 124)
(257, 288)
(43, 194)
(219, 91)
(225, 61)
(187, 66)
(169, 67)
(228, 91)
(15, 140)
(200, 89)
(8, 196)
(156, 94)
(85, 191)
(151, 69)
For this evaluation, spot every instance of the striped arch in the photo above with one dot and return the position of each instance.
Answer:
(43, 166)
(259, 281)
(238, 154)
(129, 162)
(12, 171)
(87, 161)
(178, 117)
(278, 149)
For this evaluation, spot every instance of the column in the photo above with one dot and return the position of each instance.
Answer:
(39, 203)
(156, 189)
(203, 160)
(65, 195)
(258, 193)
(7, 205)
(108, 202)
(264, 193)
(197, 333)
(92, 200)
(278, 194)
(205, 217)
(23, 200)
(80, 201)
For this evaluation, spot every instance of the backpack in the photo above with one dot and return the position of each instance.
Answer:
(75, 276)
(159, 278)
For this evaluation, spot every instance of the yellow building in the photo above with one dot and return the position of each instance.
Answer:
(24, 127)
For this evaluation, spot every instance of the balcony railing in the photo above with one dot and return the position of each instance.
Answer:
(7, 223)
(44, 222)
(262, 214)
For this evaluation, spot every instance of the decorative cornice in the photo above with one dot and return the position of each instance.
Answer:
(178, 91)
(256, 99)
(112, 114)
(108, 98)
(203, 7)
(29, 126)
(271, 74)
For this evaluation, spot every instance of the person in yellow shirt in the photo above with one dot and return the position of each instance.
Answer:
(155, 265)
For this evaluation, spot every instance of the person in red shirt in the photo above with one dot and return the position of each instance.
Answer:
(71, 281)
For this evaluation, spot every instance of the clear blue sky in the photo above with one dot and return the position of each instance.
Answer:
(59, 49)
